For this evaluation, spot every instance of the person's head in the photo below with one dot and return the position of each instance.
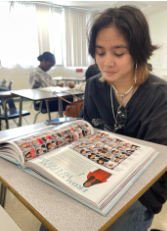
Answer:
(91, 181)
(92, 156)
(100, 161)
(120, 148)
(92, 71)
(68, 139)
(133, 147)
(118, 141)
(25, 145)
(47, 60)
(44, 138)
(49, 145)
(119, 41)
(123, 155)
(105, 148)
(91, 148)
(100, 151)
(76, 147)
(28, 155)
(35, 141)
(39, 151)
(91, 140)
(74, 136)
(83, 151)
(80, 134)
(87, 184)
(116, 159)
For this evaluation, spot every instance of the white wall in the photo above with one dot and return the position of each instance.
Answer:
(20, 76)
(158, 30)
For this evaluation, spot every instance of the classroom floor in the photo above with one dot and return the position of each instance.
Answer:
(23, 217)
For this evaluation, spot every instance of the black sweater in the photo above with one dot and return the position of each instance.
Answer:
(146, 120)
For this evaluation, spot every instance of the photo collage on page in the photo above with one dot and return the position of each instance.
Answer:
(47, 140)
(104, 149)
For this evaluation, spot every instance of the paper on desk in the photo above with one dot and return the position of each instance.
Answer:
(54, 89)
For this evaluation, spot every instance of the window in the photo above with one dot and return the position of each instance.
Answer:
(18, 40)
(56, 28)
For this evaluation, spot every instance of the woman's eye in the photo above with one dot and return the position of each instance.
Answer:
(100, 54)
(118, 55)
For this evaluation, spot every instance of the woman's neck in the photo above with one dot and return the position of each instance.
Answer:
(124, 89)
(124, 84)
(41, 68)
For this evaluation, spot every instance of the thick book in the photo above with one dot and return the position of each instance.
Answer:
(93, 166)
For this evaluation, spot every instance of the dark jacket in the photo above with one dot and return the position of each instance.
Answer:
(146, 120)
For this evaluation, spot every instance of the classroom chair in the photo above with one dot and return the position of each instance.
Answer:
(9, 111)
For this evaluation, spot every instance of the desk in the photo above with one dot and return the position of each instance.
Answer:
(58, 211)
(38, 95)
(75, 79)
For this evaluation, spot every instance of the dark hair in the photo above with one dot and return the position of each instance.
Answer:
(92, 71)
(38, 150)
(27, 154)
(47, 56)
(48, 145)
(132, 24)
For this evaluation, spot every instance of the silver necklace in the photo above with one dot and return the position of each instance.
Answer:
(123, 95)
(116, 125)
(112, 107)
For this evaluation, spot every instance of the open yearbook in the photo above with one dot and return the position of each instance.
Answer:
(92, 166)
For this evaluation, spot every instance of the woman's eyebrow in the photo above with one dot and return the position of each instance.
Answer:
(117, 46)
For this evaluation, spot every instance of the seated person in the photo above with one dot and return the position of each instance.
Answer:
(39, 78)
(90, 72)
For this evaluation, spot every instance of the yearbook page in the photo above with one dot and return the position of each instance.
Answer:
(99, 163)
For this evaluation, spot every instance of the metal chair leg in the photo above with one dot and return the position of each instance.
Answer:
(36, 116)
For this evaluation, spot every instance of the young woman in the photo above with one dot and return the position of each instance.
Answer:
(38, 77)
(127, 99)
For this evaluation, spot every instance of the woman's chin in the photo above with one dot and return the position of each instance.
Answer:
(108, 79)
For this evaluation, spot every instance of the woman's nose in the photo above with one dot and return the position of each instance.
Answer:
(109, 60)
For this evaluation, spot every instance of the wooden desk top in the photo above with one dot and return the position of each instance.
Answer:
(37, 94)
(58, 211)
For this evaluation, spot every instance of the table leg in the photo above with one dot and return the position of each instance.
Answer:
(48, 110)
(3, 195)
(20, 112)
(6, 114)
(60, 107)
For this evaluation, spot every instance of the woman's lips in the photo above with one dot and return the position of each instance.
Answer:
(109, 72)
